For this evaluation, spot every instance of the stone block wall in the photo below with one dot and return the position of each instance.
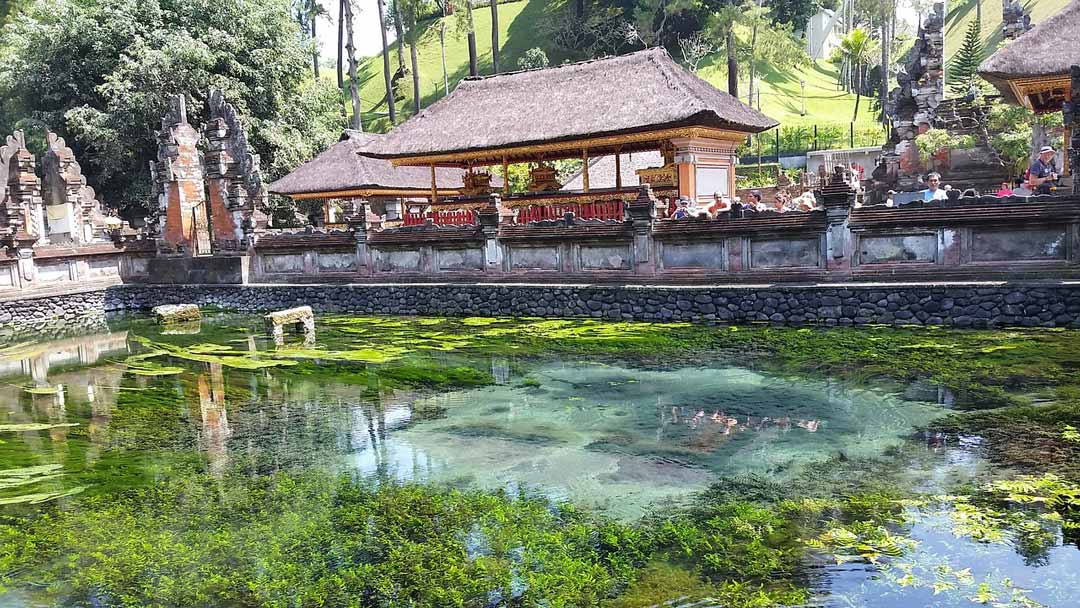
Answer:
(958, 305)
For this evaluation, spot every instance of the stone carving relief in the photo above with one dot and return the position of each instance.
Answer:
(71, 206)
(921, 88)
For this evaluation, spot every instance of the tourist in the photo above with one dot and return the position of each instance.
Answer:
(1004, 190)
(683, 210)
(933, 192)
(1043, 171)
(755, 201)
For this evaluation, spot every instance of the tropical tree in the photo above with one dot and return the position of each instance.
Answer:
(465, 24)
(99, 73)
(857, 49)
(446, 7)
(964, 71)
(354, 92)
(386, 63)
(307, 16)
(409, 11)
(721, 26)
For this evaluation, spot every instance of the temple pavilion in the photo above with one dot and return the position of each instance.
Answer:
(618, 106)
(342, 172)
(1033, 70)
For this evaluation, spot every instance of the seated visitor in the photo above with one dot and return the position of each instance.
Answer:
(720, 205)
(933, 192)
(683, 211)
(755, 202)
(1043, 172)
(1004, 190)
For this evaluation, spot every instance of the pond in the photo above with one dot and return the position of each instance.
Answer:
(490, 462)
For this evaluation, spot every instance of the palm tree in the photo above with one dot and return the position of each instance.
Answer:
(858, 48)
(386, 63)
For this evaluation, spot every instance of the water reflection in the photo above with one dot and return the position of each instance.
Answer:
(621, 437)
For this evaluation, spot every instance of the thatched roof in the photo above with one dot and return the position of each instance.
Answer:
(602, 170)
(341, 168)
(632, 93)
(1048, 49)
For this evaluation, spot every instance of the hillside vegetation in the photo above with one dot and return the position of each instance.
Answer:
(522, 27)
(961, 13)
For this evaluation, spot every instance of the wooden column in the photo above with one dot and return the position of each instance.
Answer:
(434, 187)
(585, 169)
(506, 176)
(618, 170)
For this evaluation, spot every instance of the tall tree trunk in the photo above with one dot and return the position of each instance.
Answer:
(315, 52)
(858, 96)
(350, 50)
(386, 64)
(340, 45)
(579, 8)
(495, 36)
(340, 67)
(399, 29)
(732, 65)
(978, 12)
(442, 53)
(413, 60)
(473, 69)
(753, 67)
(884, 69)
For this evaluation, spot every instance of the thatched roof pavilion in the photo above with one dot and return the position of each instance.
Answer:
(342, 172)
(617, 105)
(1033, 70)
(627, 102)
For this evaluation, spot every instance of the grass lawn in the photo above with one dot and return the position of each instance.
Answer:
(521, 26)
(962, 13)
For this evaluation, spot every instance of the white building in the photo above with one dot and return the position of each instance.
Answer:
(823, 34)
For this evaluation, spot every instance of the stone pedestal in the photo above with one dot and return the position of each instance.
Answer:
(837, 198)
(356, 211)
(178, 177)
(642, 214)
(489, 224)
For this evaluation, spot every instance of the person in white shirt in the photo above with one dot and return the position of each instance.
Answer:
(933, 192)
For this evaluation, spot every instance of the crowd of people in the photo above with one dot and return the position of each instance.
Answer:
(684, 207)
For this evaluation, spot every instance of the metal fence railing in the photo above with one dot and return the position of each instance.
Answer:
(800, 139)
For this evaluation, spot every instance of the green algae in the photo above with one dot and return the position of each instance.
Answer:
(34, 426)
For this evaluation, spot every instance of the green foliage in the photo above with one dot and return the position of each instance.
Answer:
(288, 540)
(1011, 128)
(100, 73)
(533, 59)
(935, 140)
(963, 72)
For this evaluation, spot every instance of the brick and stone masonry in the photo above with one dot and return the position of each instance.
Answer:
(958, 305)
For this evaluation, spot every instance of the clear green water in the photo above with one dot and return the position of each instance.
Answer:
(621, 436)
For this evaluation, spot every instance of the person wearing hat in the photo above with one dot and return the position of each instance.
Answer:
(1043, 171)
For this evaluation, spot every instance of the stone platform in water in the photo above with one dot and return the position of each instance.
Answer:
(177, 313)
(301, 316)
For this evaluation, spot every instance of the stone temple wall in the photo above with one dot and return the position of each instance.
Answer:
(957, 305)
